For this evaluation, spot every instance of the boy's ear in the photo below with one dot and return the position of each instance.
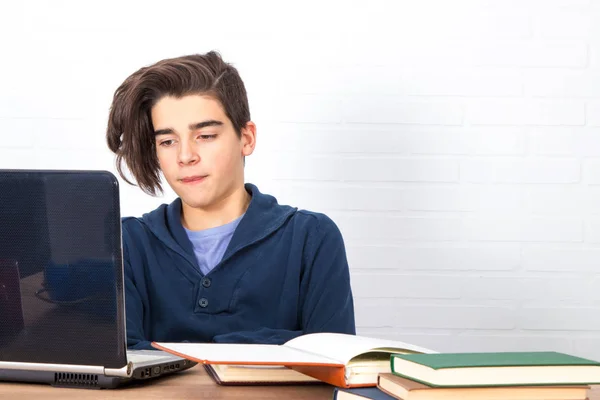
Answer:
(248, 137)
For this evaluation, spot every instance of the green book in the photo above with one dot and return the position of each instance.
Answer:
(496, 369)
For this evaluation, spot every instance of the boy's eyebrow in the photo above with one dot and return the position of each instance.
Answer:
(191, 127)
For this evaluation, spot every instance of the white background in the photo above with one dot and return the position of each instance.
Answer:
(455, 143)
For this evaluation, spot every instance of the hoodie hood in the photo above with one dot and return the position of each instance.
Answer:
(263, 216)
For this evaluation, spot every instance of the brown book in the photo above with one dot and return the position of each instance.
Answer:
(406, 389)
(248, 375)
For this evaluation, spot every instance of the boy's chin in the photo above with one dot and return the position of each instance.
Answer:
(196, 201)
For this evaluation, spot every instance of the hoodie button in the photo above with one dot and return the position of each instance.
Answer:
(206, 282)
(203, 302)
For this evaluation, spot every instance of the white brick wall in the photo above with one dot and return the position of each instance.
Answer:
(455, 143)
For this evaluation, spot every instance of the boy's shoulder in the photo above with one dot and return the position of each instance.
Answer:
(131, 222)
(133, 227)
(315, 223)
(317, 219)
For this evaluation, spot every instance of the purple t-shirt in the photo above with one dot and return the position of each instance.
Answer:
(210, 244)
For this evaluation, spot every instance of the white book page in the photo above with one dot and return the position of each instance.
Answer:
(240, 354)
(343, 348)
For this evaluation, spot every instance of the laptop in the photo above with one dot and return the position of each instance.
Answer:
(62, 301)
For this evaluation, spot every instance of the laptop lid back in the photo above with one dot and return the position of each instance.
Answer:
(61, 276)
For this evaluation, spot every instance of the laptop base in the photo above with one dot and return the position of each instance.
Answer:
(95, 381)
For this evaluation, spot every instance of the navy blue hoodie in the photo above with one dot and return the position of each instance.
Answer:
(283, 274)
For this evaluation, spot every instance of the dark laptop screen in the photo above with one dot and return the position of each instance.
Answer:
(61, 278)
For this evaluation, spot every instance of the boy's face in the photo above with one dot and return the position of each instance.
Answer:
(198, 150)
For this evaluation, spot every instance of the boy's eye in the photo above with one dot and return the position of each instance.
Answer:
(166, 143)
(207, 137)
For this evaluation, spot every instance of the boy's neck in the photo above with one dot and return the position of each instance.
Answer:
(227, 210)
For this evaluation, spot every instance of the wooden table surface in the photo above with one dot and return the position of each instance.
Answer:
(190, 384)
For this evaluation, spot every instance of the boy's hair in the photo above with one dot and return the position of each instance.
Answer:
(130, 133)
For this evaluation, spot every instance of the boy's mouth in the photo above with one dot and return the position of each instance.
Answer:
(193, 179)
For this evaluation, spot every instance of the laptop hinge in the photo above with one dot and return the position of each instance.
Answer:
(124, 372)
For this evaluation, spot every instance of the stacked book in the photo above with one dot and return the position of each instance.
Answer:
(482, 376)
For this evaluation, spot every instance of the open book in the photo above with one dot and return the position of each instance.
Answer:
(338, 359)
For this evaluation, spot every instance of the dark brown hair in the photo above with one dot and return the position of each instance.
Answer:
(130, 134)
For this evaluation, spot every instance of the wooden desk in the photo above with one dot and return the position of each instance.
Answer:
(191, 384)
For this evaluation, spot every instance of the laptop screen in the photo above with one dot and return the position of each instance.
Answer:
(61, 276)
